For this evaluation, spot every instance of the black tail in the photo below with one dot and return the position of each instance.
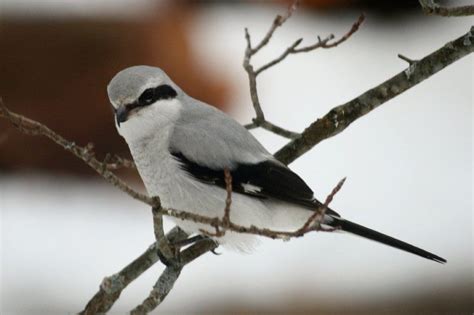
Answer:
(360, 230)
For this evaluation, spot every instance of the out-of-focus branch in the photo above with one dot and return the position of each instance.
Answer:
(86, 154)
(112, 286)
(174, 264)
(166, 281)
(115, 162)
(432, 8)
(340, 117)
(260, 120)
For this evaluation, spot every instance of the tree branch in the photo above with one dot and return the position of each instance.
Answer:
(259, 120)
(430, 7)
(340, 117)
(225, 224)
(321, 43)
(160, 290)
(86, 154)
(331, 124)
(112, 286)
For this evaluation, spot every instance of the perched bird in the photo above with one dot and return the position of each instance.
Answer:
(181, 147)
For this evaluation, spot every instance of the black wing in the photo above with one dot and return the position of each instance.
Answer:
(267, 179)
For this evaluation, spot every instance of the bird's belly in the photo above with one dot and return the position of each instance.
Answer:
(177, 190)
(196, 197)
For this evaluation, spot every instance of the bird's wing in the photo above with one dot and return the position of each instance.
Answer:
(266, 179)
(213, 139)
(206, 141)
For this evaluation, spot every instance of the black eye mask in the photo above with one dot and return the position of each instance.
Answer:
(149, 96)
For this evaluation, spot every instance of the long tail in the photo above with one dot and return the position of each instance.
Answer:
(360, 230)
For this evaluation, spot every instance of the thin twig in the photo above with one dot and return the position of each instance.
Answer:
(404, 58)
(249, 52)
(225, 222)
(277, 22)
(260, 120)
(430, 7)
(228, 199)
(221, 225)
(317, 217)
(31, 127)
(321, 43)
(115, 162)
(279, 130)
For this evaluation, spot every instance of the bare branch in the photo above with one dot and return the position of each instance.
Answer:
(355, 27)
(259, 120)
(225, 222)
(112, 286)
(115, 162)
(31, 127)
(321, 43)
(160, 290)
(265, 124)
(317, 217)
(277, 22)
(228, 199)
(430, 7)
(252, 81)
(404, 58)
(250, 126)
(279, 130)
(222, 225)
(249, 52)
(289, 50)
(331, 124)
(340, 117)
(175, 263)
(161, 239)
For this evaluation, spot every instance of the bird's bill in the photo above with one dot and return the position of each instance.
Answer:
(121, 114)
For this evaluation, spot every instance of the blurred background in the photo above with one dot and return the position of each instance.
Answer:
(409, 163)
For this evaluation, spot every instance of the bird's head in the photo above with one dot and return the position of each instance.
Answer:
(144, 100)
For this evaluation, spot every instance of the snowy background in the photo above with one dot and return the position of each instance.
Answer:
(408, 164)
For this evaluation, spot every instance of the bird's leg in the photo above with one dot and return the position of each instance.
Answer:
(168, 262)
(189, 241)
(195, 239)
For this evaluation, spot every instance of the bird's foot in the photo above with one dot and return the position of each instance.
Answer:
(195, 239)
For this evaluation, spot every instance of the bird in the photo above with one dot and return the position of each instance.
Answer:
(182, 147)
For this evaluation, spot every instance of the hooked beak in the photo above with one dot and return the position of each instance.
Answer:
(121, 114)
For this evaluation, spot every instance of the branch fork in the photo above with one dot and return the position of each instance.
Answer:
(260, 120)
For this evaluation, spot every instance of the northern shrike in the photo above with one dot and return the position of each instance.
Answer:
(181, 147)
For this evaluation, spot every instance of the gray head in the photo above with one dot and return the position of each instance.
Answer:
(143, 96)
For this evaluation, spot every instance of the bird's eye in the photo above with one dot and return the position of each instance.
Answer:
(147, 97)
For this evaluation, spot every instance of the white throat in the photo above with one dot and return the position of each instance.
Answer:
(147, 134)
(149, 121)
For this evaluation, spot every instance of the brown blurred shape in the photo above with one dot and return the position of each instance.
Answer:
(56, 71)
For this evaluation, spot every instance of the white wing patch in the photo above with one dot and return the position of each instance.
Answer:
(251, 189)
